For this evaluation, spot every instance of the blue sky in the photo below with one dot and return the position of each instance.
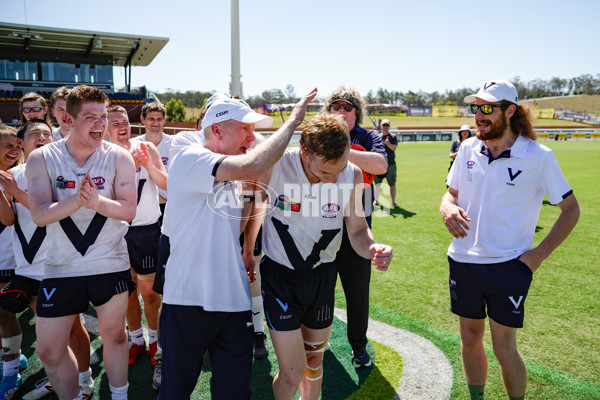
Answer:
(398, 45)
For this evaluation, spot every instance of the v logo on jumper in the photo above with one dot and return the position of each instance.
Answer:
(2, 226)
(140, 188)
(30, 249)
(513, 177)
(291, 250)
(83, 242)
(487, 86)
(48, 295)
(283, 305)
(516, 303)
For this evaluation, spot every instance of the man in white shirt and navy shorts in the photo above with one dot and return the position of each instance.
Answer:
(206, 300)
(497, 185)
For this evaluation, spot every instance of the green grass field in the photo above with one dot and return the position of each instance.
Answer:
(559, 341)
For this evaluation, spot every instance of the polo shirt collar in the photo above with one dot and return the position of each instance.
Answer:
(518, 149)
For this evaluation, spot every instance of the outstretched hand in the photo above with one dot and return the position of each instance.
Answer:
(299, 110)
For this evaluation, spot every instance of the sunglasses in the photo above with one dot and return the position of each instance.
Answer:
(27, 110)
(385, 124)
(486, 109)
(338, 106)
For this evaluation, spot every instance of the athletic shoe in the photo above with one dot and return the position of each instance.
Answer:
(152, 349)
(361, 358)
(260, 346)
(156, 379)
(135, 351)
(9, 385)
(43, 387)
(87, 390)
(395, 205)
(22, 364)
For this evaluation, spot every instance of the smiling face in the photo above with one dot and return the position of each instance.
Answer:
(36, 136)
(349, 116)
(118, 128)
(234, 137)
(88, 125)
(491, 126)
(10, 150)
(33, 110)
(59, 110)
(154, 121)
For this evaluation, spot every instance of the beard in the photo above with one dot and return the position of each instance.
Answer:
(495, 131)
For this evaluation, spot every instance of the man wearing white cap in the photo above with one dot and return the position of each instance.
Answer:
(206, 301)
(391, 143)
(500, 176)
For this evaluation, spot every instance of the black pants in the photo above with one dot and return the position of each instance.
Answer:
(355, 275)
(187, 332)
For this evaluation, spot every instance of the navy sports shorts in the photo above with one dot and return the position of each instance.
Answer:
(499, 288)
(6, 275)
(17, 294)
(293, 298)
(142, 245)
(58, 297)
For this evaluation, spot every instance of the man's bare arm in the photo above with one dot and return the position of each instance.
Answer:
(368, 161)
(454, 217)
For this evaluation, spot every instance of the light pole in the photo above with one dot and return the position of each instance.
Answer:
(235, 87)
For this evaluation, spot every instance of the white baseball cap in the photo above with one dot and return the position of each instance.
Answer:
(225, 108)
(465, 128)
(495, 90)
(385, 121)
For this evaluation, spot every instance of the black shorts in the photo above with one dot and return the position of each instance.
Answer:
(293, 298)
(164, 251)
(501, 288)
(17, 294)
(58, 297)
(257, 244)
(6, 275)
(142, 244)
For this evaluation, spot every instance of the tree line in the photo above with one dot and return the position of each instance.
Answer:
(583, 84)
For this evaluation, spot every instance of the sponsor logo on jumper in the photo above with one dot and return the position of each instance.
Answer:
(99, 182)
(284, 204)
(284, 306)
(62, 183)
(470, 164)
(513, 176)
(330, 210)
(165, 160)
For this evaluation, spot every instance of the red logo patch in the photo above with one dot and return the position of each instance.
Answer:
(70, 184)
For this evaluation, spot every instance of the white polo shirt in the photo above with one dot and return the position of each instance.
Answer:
(205, 267)
(503, 198)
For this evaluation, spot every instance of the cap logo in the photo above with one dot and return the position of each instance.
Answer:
(487, 86)
(221, 113)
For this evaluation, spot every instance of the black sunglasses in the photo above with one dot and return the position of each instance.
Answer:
(486, 109)
(385, 124)
(345, 106)
(27, 110)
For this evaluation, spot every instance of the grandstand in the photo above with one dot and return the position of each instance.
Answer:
(41, 59)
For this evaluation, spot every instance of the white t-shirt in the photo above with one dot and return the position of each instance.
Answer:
(29, 240)
(147, 211)
(503, 198)
(205, 267)
(303, 229)
(85, 243)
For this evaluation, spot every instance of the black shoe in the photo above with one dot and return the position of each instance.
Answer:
(260, 346)
(361, 358)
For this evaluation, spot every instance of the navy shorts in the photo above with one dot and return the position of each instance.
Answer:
(164, 251)
(58, 297)
(501, 288)
(293, 298)
(6, 275)
(142, 245)
(17, 294)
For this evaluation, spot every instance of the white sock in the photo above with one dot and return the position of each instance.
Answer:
(153, 336)
(137, 337)
(84, 377)
(119, 393)
(257, 314)
(11, 367)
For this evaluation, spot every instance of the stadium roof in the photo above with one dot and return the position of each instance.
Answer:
(39, 43)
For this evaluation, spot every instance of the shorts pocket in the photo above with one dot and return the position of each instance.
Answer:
(525, 266)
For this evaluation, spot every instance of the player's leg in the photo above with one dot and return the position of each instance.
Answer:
(152, 302)
(134, 323)
(391, 179)
(291, 357)
(472, 350)
(377, 186)
(231, 357)
(79, 341)
(11, 334)
(315, 341)
(56, 356)
(514, 372)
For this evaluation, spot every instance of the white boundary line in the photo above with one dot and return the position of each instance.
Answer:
(427, 373)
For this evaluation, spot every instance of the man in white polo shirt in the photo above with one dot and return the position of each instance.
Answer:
(206, 301)
(496, 188)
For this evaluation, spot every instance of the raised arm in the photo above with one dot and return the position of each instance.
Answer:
(361, 237)
(368, 161)
(249, 166)
(149, 158)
